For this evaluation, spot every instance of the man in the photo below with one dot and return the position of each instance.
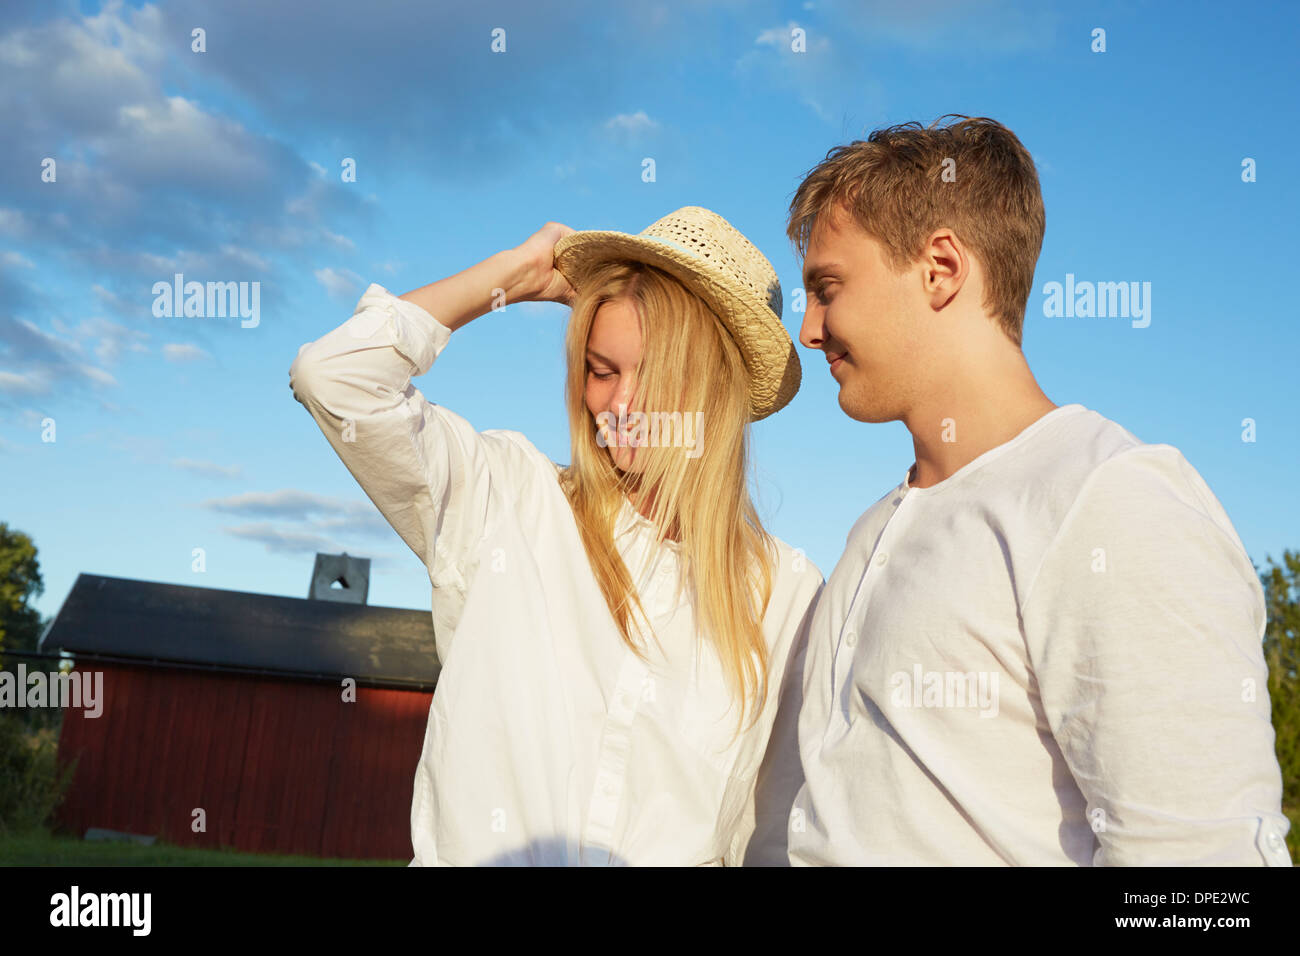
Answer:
(1043, 646)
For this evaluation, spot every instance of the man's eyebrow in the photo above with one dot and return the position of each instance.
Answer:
(811, 275)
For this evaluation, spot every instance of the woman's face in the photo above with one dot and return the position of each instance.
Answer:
(613, 354)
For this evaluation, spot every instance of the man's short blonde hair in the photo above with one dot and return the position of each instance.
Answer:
(901, 183)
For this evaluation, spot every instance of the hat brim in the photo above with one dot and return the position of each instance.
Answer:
(768, 351)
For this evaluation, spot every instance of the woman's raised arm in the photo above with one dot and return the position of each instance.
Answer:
(436, 480)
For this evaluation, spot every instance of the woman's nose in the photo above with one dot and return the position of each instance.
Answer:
(623, 395)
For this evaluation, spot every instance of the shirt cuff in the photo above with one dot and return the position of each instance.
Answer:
(415, 333)
(1271, 842)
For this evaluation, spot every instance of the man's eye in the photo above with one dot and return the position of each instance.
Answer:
(821, 292)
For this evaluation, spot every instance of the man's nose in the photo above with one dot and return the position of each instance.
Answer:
(812, 332)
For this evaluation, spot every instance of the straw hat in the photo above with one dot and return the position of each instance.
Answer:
(717, 263)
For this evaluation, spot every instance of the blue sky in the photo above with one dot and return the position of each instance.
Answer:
(173, 434)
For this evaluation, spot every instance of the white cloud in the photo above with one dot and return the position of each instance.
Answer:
(340, 283)
(181, 352)
(630, 126)
(14, 384)
(38, 361)
(342, 242)
(285, 503)
(109, 338)
(145, 168)
(284, 540)
(811, 74)
(98, 375)
(247, 257)
(303, 521)
(13, 223)
(15, 259)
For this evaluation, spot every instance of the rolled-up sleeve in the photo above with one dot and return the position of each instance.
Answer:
(437, 481)
(1143, 627)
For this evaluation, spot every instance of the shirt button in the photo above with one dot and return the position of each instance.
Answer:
(1274, 841)
(665, 569)
(851, 638)
(882, 559)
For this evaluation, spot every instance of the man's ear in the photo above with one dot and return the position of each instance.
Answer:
(946, 267)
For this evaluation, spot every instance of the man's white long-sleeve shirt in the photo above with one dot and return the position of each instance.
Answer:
(548, 741)
(1051, 657)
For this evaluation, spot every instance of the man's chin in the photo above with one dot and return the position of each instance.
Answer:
(861, 409)
(848, 406)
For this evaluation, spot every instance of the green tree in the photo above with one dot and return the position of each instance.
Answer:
(31, 781)
(20, 583)
(1282, 653)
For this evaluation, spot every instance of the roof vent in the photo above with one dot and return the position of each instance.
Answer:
(338, 577)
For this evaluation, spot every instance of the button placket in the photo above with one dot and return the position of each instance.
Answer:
(613, 755)
(848, 636)
(658, 586)
(842, 661)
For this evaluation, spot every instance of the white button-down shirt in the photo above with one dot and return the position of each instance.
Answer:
(1052, 657)
(548, 741)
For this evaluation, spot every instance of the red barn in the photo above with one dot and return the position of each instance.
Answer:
(234, 704)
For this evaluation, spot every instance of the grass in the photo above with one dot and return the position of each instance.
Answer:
(41, 848)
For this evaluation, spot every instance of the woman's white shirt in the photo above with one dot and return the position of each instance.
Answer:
(548, 740)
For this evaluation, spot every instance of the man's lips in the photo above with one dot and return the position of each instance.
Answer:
(835, 358)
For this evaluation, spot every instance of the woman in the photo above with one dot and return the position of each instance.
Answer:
(613, 634)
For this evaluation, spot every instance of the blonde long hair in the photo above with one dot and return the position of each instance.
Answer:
(689, 363)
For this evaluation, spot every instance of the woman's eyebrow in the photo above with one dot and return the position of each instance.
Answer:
(592, 353)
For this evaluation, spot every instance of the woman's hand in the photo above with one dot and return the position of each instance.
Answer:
(525, 273)
(545, 283)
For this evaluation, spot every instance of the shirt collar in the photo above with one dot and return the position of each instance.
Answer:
(631, 521)
(997, 450)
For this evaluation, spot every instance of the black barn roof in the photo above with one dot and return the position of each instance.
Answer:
(171, 624)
